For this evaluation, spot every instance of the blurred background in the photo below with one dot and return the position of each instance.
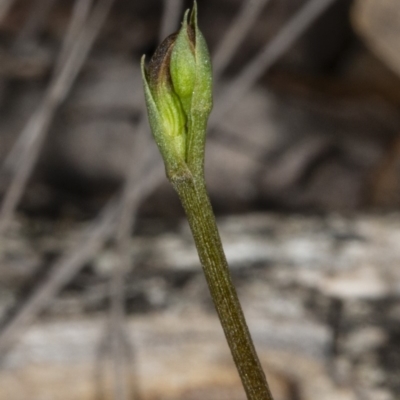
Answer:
(101, 292)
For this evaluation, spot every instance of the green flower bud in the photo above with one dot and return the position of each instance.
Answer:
(183, 65)
(178, 92)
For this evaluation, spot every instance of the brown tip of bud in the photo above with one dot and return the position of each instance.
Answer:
(158, 67)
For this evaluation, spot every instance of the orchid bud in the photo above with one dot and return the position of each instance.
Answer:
(178, 92)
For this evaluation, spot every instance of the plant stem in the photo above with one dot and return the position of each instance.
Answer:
(193, 195)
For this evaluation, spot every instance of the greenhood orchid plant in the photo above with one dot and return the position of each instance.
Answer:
(178, 92)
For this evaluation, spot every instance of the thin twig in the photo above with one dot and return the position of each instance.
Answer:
(234, 36)
(62, 82)
(143, 154)
(28, 135)
(128, 207)
(117, 317)
(101, 361)
(285, 38)
(27, 148)
(80, 13)
(142, 151)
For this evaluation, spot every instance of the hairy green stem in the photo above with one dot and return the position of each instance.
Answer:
(178, 92)
(193, 195)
